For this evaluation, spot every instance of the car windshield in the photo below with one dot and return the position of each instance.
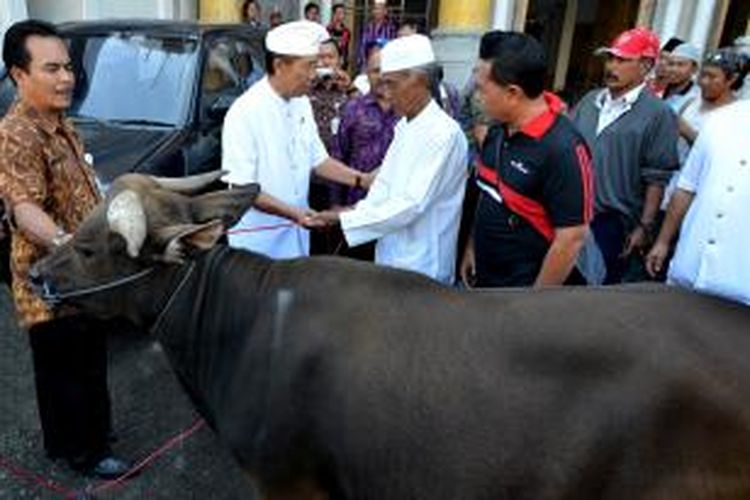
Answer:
(133, 77)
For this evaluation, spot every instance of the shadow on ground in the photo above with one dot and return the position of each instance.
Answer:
(149, 408)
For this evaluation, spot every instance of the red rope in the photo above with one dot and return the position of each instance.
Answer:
(150, 458)
(258, 229)
(50, 485)
(36, 479)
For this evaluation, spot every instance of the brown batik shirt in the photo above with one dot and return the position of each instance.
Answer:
(42, 162)
(327, 99)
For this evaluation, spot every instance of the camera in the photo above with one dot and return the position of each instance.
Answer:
(324, 73)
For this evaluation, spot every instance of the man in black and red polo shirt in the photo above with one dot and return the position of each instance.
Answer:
(534, 173)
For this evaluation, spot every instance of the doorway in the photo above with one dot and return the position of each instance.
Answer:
(571, 30)
(737, 22)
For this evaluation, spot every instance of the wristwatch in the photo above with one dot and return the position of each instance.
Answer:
(358, 181)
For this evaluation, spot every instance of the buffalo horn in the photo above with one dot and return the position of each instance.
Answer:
(125, 216)
(190, 184)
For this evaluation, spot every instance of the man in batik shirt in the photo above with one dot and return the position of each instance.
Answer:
(48, 189)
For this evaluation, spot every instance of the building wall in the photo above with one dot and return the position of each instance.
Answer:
(70, 10)
(229, 10)
(55, 10)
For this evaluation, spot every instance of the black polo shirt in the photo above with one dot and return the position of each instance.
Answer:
(531, 182)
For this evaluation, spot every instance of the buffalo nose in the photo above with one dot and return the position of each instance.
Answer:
(37, 281)
(35, 277)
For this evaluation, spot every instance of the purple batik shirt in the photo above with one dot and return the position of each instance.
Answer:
(373, 32)
(365, 133)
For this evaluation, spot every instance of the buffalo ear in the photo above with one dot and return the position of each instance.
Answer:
(180, 239)
(228, 205)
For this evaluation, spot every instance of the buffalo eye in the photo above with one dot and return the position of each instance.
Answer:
(87, 252)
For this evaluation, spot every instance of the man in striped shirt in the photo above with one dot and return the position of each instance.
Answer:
(379, 28)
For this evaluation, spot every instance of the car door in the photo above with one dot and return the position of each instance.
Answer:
(7, 91)
(230, 67)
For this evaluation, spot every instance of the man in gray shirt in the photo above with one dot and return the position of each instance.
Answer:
(633, 137)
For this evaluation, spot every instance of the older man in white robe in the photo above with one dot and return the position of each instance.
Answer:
(270, 137)
(413, 208)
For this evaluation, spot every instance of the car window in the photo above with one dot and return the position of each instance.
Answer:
(249, 63)
(133, 77)
(229, 69)
(7, 91)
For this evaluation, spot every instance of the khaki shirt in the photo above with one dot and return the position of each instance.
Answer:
(41, 162)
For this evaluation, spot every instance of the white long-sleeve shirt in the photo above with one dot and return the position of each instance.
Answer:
(274, 142)
(713, 252)
(413, 208)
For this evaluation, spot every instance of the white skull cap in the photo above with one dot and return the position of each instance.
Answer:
(406, 52)
(297, 38)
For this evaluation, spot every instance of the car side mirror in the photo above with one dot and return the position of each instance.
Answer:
(220, 106)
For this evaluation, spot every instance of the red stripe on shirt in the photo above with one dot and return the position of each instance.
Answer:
(531, 210)
(587, 178)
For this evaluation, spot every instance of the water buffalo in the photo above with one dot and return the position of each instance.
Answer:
(330, 378)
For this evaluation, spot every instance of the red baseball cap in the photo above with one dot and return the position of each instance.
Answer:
(634, 44)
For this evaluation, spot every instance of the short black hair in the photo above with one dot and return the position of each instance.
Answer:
(370, 46)
(337, 6)
(15, 52)
(732, 63)
(517, 59)
(310, 6)
(488, 42)
(672, 44)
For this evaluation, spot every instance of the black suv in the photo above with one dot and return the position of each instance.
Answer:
(150, 96)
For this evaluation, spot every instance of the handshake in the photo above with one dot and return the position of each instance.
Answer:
(311, 219)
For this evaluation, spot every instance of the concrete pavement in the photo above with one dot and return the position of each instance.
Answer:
(148, 407)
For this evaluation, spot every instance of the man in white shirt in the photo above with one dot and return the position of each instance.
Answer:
(413, 209)
(713, 193)
(270, 137)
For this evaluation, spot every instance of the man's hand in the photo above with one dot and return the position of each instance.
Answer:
(468, 267)
(327, 218)
(635, 242)
(656, 257)
(343, 79)
(308, 219)
(367, 179)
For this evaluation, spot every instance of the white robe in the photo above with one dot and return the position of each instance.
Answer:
(712, 250)
(413, 208)
(274, 142)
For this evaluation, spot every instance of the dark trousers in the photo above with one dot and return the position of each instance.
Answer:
(610, 232)
(70, 369)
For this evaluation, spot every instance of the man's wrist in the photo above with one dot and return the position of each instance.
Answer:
(358, 181)
(646, 225)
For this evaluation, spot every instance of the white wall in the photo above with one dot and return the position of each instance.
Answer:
(690, 20)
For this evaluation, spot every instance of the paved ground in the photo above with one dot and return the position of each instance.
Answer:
(149, 408)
